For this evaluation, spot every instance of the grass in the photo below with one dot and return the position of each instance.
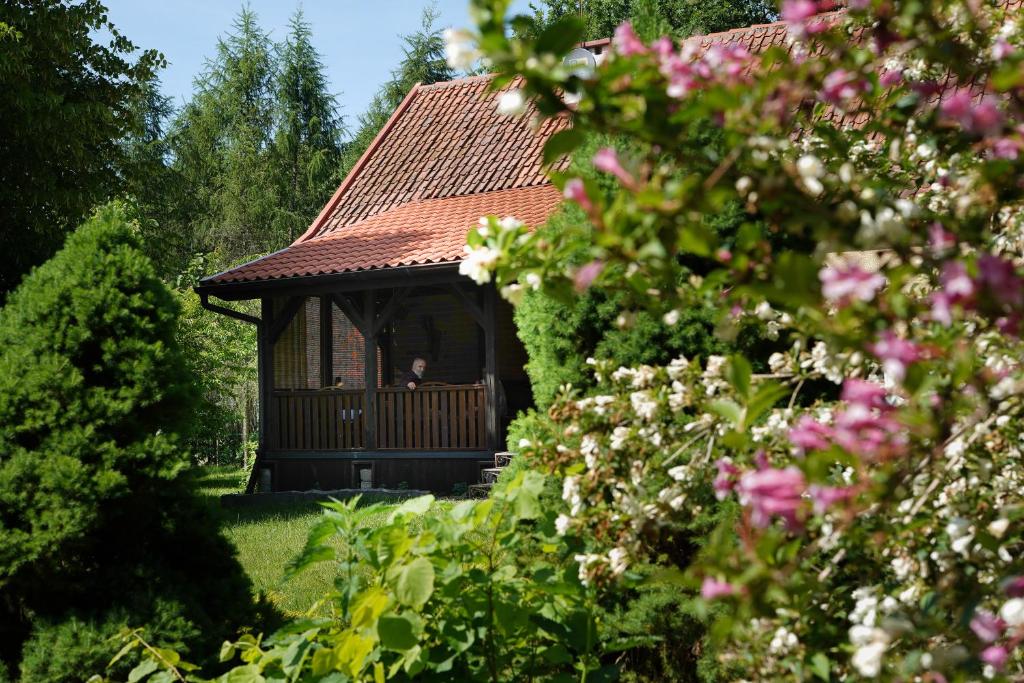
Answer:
(268, 537)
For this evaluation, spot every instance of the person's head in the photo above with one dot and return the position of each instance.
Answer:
(419, 365)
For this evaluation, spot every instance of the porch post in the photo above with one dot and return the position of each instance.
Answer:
(370, 360)
(326, 342)
(491, 364)
(265, 377)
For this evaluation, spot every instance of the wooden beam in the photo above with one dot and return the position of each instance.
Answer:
(279, 323)
(348, 307)
(370, 359)
(326, 342)
(471, 307)
(491, 363)
(204, 300)
(389, 310)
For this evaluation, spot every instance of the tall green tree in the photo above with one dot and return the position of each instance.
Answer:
(309, 129)
(423, 62)
(683, 17)
(222, 146)
(66, 105)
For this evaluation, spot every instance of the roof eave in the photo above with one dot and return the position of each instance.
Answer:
(399, 276)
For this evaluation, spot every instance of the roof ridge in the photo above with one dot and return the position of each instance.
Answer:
(454, 82)
(770, 24)
(328, 209)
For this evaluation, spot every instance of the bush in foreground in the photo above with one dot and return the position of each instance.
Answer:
(96, 530)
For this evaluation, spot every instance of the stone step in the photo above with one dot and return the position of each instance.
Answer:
(503, 458)
(489, 475)
(479, 490)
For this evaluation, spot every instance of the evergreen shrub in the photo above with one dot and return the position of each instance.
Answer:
(96, 527)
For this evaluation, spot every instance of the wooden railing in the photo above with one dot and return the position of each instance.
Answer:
(429, 418)
(311, 420)
(432, 418)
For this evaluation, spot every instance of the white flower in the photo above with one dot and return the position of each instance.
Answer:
(811, 170)
(867, 660)
(679, 473)
(513, 293)
(744, 185)
(1012, 612)
(671, 318)
(525, 443)
(643, 404)
(619, 436)
(562, 524)
(459, 48)
(512, 103)
(618, 559)
(510, 223)
(998, 527)
(533, 281)
(478, 263)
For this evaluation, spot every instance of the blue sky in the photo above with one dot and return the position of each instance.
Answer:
(358, 39)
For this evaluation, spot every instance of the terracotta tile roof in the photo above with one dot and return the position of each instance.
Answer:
(444, 158)
(420, 232)
(447, 141)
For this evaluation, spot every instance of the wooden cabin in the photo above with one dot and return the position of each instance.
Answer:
(374, 283)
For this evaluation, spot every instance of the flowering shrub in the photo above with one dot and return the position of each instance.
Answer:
(878, 531)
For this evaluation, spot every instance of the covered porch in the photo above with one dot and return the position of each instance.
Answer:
(333, 413)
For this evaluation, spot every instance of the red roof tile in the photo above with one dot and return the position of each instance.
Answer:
(421, 232)
(447, 141)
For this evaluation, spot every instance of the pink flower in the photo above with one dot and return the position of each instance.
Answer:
(1001, 279)
(867, 433)
(825, 497)
(843, 284)
(956, 283)
(577, 192)
(895, 353)
(1006, 148)
(981, 117)
(891, 78)
(712, 589)
(840, 86)
(987, 626)
(798, 11)
(586, 275)
(862, 392)
(995, 656)
(725, 481)
(942, 310)
(1014, 587)
(809, 435)
(939, 239)
(1002, 49)
(772, 492)
(663, 47)
(607, 160)
(626, 42)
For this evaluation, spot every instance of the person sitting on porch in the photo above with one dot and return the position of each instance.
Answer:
(412, 378)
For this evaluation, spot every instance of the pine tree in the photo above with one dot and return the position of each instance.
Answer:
(423, 62)
(309, 130)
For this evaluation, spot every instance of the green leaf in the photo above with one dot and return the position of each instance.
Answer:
(562, 143)
(243, 674)
(560, 36)
(125, 649)
(764, 398)
(146, 667)
(415, 506)
(399, 632)
(727, 409)
(415, 583)
(820, 666)
(737, 373)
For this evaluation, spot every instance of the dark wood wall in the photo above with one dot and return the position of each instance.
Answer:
(437, 474)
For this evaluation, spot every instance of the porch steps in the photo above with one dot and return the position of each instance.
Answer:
(489, 475)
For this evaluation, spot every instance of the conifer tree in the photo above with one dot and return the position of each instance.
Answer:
(223, 146)
(309, 129)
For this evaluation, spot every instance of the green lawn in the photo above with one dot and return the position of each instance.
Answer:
(266, 538)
